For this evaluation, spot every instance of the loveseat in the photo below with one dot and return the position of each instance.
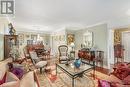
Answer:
(8, 79)
(120, 77)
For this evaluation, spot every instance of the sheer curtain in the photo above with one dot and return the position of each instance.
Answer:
(126, 44)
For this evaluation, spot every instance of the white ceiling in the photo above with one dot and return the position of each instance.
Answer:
(50, 15)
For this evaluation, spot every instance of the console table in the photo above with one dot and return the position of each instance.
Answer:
(88, 55)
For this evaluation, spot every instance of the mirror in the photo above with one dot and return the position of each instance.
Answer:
(88, 39)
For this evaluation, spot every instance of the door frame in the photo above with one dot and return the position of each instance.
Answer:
(122, 42)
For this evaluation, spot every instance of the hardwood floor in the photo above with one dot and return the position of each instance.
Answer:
(103, 70)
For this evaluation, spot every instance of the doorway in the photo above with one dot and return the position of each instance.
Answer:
(126, 44)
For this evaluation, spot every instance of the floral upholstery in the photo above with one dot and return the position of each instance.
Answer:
(120, 77)
(126, 81)
(122, 71)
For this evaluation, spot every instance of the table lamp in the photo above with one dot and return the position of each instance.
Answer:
(72, 45)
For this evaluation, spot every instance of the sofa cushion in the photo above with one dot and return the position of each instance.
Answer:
(122, 74)
(126, 81)
(113, 78)
(3, 69)
(41, 64)
(27, 80)
(122, 71)
(122, 65)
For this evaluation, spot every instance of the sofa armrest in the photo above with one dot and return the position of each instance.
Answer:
(11, 81)
(29, 80)
(10, 84)
(113, 78)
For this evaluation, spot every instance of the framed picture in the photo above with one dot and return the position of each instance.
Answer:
(70, 39)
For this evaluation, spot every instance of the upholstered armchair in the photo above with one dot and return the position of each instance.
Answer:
(37, 62)
(120, 77)
(63, 53)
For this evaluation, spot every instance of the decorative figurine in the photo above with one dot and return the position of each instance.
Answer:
(77, 63)
(11, 29)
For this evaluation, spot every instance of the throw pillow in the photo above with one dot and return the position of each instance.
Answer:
(3, 79)
(121, 71)
(18, 72)
(103, 83)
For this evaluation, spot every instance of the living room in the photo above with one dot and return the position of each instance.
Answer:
(64, 43)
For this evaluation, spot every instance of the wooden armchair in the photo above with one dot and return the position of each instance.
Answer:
(63, 53)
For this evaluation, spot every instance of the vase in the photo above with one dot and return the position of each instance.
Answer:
(77, 63)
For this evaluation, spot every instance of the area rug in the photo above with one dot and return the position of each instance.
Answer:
(63, 80)
(50, 79)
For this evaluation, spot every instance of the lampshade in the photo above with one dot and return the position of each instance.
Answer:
(72, 44)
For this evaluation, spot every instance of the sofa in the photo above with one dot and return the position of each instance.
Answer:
(8, 79)
(120, 77)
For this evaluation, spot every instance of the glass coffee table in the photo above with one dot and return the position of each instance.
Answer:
(74, 72)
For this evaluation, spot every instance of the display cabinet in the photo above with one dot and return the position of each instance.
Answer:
(9, 41)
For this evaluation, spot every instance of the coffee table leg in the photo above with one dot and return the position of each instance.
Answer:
(72, 82)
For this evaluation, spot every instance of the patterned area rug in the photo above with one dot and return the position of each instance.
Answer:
(63, 80)
(49, 79)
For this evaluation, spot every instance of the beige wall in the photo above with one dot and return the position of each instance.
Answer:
(99, 38)
(1, 46)
(3, 27)
(56, 41)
